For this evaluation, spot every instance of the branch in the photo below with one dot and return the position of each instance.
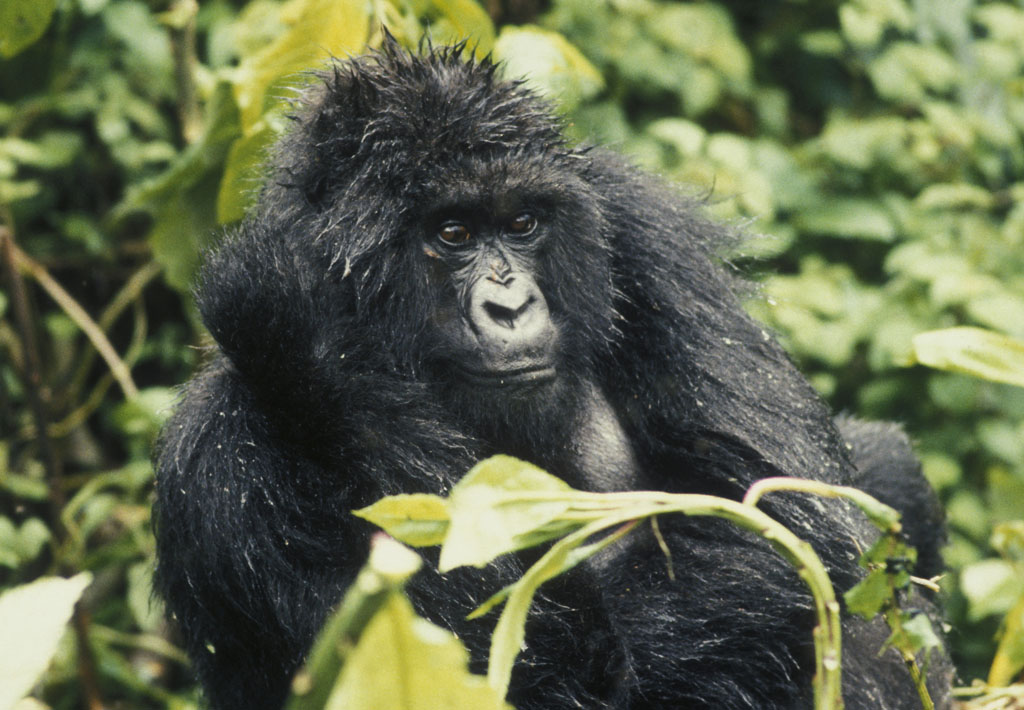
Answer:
(76, 313)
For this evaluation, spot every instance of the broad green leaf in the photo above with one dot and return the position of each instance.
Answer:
(317, 30)
(686, 137)
(32, 621)
(22, 22)
(404, 662)
(145, 413)
(1009, 658)
(973, 351)
(239, 187)
(550, 64)
(182, 226)
(503, 504)
(417, 519)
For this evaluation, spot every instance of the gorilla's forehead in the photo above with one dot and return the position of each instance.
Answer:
(498, 185)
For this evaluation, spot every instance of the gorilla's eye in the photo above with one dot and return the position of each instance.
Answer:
(454, 233)
(522, 224)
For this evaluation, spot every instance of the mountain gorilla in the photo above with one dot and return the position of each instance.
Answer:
(434, 275)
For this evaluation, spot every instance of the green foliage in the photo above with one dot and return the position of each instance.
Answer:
(504, 504)
(375, 653)
(875, 148)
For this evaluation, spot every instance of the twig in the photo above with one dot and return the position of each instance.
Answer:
(130, 293)
(77, 314)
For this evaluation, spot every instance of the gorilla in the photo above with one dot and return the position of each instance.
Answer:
(433, 274)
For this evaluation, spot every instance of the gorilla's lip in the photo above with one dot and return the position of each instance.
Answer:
(509, 377)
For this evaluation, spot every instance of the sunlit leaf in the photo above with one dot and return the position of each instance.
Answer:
(418, 519)
(973, 351)
(550, 64)
(404, 662)
(497, 507)
(317, 30)
(848, 218)
(32, 621)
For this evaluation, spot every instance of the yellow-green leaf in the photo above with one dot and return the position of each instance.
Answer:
(32, 620)
(317, 30)
(404, 662)
(22, 22)
(417, 519)
(500, 506)
(550, 64)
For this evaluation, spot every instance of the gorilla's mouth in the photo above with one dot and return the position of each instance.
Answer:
(511, 377)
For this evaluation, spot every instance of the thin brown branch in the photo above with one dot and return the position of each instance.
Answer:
(86, 660)
(130, 293)
(83, 320)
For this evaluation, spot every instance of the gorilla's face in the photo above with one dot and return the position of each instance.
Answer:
(494, 316)
(517, 273)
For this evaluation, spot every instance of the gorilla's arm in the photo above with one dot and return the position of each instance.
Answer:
(237, 548)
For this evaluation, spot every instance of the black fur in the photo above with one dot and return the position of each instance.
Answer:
(330, 389)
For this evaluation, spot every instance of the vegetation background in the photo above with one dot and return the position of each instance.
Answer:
(873, 148)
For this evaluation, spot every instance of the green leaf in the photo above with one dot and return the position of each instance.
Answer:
(317, 30)
(417, 519)
(549, 63)
(201, 158)
(32, 621)
(243, 173)
(22, 22)
(915, 634)
(404, 662)
(502, 505)
(388, 568)
(973, 351)
(867, 597)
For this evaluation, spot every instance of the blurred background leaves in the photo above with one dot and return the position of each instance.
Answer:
(872, 148)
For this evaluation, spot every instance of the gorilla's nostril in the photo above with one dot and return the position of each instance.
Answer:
(504, 315)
